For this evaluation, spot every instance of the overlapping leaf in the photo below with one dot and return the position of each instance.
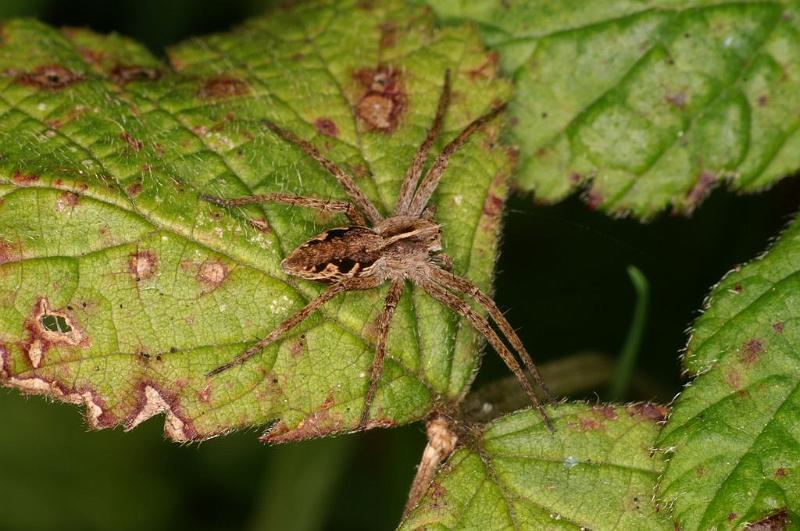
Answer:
(597, 471)
(734, 434)
(648, 104)
(120, 289)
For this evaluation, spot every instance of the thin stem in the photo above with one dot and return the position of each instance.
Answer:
(630, 349)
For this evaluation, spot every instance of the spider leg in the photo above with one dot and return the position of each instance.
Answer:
(415, 170)
(455, 283)
(482, 325)
(284, 327)
(434, 175)
(344, 207)
(384, 320)
(356, 194)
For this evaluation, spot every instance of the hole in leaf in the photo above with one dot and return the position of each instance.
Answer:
(55, 323)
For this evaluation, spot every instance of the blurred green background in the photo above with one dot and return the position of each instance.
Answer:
(562, 276)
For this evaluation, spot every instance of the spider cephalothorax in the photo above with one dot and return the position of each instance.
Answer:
(404, 247)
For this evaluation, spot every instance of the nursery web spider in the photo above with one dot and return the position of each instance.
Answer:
(407, 246)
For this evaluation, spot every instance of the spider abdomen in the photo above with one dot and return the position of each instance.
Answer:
(392, 249)
(344, 252)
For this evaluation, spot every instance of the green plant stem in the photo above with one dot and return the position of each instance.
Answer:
(630, 349)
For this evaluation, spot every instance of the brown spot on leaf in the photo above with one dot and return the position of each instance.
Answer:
(212, 273)
(50, 77)
(649, 411)
(700, 471)
(224, 86)
(24, 179)
(677, 99)
(437, 490)
(142, 265)
(5, 361)
(733, 378)
(271, 386)
(360, 170)
(326, 126)
(97, 414)
(377, 110)
(731, 517)
(122, 74)
(493, 205)
(134, 189)
(383, 100)
(751, 350)
(587, 424)
(388, 34)
(380, 423)
(606, 412)
(780, 473)
(701, 189)
(594, 198)
(66, 200)
(297, 346)
(513, 155)
(8, 252)
(153, 400)
(56, 123)
(485, 70)
(205, 394)
(93, 57)
(762, 100)
(200, 130)
(775, 522)
(778, 327)
(319, 424)
(133, 143)
(48, 327)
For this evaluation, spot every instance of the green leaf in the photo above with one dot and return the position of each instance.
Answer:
(647, 104)
(105, 151)
(596, 471)
(734, 434)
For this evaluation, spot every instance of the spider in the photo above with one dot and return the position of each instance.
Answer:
(406, 246)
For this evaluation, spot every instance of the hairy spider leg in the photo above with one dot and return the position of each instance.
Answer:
(356, 194)
(431, 180)
(415, 170)
(480, 324)
(353, 214)
(384, 320)
(455, 283)
(284, 327)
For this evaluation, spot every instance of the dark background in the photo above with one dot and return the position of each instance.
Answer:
(562, 275)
